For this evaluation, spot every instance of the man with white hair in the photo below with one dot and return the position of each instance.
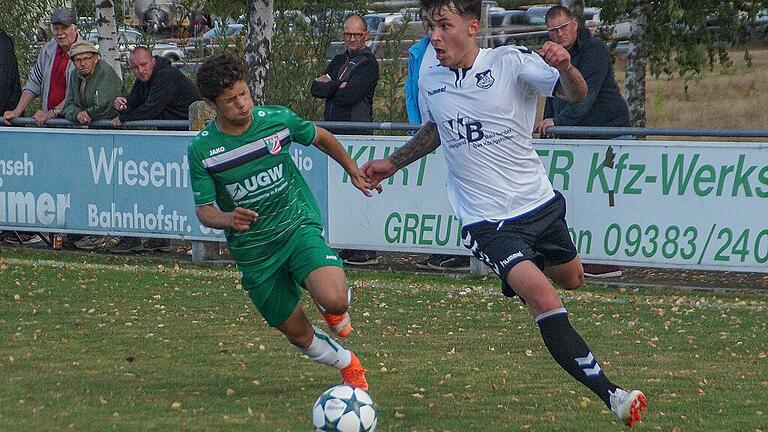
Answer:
(48, 79)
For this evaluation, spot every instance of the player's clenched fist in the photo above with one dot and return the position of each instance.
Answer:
(242, 218)
(556, 56)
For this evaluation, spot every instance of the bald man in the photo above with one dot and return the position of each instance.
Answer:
(347, 86)
(349, 81)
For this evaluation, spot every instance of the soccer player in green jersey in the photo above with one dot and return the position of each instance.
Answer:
(272, 223)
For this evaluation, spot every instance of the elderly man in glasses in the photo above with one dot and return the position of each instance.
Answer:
(347, 86)
(92, 88)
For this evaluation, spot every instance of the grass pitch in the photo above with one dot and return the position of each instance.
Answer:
(117, 344)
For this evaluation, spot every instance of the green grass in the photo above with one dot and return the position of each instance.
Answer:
(133, 345)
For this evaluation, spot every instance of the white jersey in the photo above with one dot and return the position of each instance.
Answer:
(485, 117)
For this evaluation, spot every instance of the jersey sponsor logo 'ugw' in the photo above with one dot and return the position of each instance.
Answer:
(259, 181)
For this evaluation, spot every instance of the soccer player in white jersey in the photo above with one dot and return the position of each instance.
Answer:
(480, 104)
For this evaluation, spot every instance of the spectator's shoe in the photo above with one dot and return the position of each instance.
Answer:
(23, 238)
(157, 244)
(434, 259)
(354, 374)
(361, 258)
(71, 239)
(127, 245)
(91, 242)
(601, 271)
(450, 262)
(628, 405)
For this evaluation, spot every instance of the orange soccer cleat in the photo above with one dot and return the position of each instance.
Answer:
(354, 374)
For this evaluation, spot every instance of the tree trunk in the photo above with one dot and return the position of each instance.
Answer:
(258, 46)
(106, 26)
(635, 80)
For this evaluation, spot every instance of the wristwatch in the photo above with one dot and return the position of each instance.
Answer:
(56, 112)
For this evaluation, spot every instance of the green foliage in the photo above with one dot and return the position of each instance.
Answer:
(301, 51)
(392, 53)
(24, 21)
(682, 37)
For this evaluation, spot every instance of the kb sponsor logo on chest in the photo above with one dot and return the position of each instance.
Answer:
(258, 182)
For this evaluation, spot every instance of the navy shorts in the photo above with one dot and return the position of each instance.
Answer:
(540, 236)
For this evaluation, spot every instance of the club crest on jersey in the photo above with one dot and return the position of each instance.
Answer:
(484, 79)
(273, 144)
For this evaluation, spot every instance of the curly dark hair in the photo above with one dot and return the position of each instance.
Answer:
(217, 74)
(472, 8)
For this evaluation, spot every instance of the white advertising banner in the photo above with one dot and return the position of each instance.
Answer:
(698, 205)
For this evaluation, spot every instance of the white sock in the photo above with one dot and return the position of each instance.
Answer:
(325, 350)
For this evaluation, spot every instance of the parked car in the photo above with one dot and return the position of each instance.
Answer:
(510, 22)
(128, 38)
(537, 13)
(759, 27)
(380, 20)
(620, 30)
(229, 31)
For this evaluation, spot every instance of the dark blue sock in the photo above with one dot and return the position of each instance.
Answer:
(571, 352)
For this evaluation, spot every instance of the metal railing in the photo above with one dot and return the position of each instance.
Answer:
(554, 131)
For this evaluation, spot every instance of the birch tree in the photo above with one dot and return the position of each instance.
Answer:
(106, 26)
(258, 47)
(634, 81)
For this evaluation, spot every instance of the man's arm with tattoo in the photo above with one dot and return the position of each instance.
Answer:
(423, 142)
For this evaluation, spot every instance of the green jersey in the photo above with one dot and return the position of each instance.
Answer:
(254, 171)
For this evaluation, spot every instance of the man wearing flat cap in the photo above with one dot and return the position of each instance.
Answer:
(92, 86)
(48, 78)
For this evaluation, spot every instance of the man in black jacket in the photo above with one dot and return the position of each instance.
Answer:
(160, 92)
(10, 85)
(347, 86)
(350, 79)
(604, 104)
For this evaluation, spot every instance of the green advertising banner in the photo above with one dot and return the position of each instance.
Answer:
(701, 205)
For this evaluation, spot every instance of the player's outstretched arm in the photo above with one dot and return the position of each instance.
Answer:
(572, 88)
(328, 143)
(423, 143)
(239, 219)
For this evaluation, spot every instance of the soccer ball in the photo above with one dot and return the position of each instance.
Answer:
(344, 409)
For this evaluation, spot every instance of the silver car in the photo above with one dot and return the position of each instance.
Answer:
(129, 38)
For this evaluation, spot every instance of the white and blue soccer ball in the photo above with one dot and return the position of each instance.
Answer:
(344, 409)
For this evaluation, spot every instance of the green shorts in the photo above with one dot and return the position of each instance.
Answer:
(277, 294)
